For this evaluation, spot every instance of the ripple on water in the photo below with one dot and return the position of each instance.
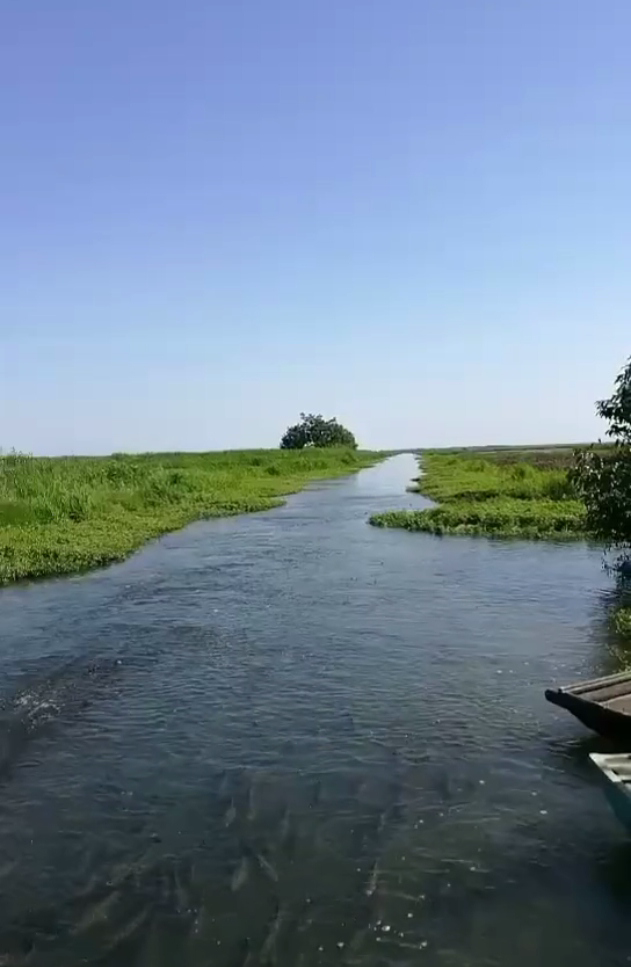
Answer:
(292, 739)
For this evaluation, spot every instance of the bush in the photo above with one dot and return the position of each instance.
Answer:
(314, 431)
(603, 479)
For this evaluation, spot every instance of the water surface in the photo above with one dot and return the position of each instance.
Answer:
(293, 739)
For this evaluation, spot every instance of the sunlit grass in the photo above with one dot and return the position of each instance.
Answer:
(622, 622)
(448, 477)
(498, 493)
(499, 517)
(59, 515)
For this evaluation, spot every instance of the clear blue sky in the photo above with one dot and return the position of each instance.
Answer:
(412, 214)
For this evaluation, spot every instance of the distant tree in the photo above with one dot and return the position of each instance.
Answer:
(314, 431)
(603, 477)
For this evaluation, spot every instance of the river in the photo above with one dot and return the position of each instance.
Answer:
(293, 739)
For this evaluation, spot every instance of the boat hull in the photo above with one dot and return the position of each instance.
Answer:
(601, 704)
(616, 773)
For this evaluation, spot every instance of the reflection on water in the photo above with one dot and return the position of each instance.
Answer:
(293, 739)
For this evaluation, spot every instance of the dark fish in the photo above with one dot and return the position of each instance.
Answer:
(98, 912)
(240, 875)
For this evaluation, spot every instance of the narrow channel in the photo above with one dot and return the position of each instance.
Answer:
(293, 739)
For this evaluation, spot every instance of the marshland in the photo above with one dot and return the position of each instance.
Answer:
(286, 737)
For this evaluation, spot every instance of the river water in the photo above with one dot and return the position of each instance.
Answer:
(293, 739)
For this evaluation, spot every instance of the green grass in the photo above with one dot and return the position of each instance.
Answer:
(622, 622)
(468, 476)
(62, 515)
(498, 517)
(500, 493)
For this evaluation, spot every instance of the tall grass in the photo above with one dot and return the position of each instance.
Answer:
(59, 515)
(497, 493)
(450, 477)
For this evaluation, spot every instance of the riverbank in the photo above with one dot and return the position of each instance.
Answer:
(68, 514)
(499, 493)
(273, 686)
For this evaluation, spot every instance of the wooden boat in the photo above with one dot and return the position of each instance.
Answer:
(602, 704)
(616, 770)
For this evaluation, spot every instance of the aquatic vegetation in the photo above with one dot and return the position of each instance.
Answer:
(622, 622)
(497, 493)
(504, 517)
(60, 515)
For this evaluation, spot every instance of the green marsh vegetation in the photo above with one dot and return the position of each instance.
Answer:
(66, 514)
(622, 622)
(507, 492)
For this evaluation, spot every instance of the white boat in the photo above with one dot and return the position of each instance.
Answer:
(616, 770)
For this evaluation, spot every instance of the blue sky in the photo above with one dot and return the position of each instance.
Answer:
(413, 215)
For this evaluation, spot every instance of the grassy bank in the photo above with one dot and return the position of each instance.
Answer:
(622, 622)
(501, 493)
(61, 515)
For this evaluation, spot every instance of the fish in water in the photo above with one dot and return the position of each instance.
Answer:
(240, 875)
